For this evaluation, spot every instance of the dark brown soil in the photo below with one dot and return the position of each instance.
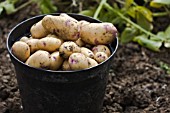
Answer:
(137, 84)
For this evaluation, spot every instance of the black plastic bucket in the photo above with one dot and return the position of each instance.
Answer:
(46, 91)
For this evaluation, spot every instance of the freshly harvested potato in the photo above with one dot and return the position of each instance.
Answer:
(67, 16)
(79, 42)
(55, 36)
(21, 50)
(78, 61)
(38, 31)
(67, 48)
(100, 57)
(91, 62)
(56, 61)
(33, 44)
(52, 35)
(49, 44)
(101, 48)
(64, 27)
(66, 66)
(87, 52)
(97, 33)
(82, 23)
(39, 59)
(24, 39)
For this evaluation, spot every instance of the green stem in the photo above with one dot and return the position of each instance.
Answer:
(23, 5)
(158, 14)
(99, 8)
(128, 20)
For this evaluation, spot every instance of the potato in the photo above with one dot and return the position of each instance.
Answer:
(82, 23)
(91, 62)
(97, 33)
(56, 61)
(78, 61)
(52, 35)
(24, 39)
(66, 66)
(21, 50)
(39, 59)
(67, 16)
(87, 52)
(80, 42)
(101, 48)
(67, 48)
(100, 57)
(49, 44)
(38, 31)
(33, 44)
(55, 36)
(64, 27)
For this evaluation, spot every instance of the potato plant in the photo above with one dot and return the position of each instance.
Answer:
(135, 22)
(64, 43)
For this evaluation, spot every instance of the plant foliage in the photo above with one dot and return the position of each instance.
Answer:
(135, 21)
(9, 6)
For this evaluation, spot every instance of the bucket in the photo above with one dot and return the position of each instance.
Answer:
(46, 91)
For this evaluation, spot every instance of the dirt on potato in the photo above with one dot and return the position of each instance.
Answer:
(136, 83)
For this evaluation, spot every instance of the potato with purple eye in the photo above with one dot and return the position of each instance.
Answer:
(56, 61)
(101, 48)
(78, 61)
(67, 48)
(39, 59)
(66, 66)
(91, 62)
(87, 52)
(97, 33)
(38, 31)
(21, 50)
(100, 57)
(33, 44)
(64, 27)
(49, 44)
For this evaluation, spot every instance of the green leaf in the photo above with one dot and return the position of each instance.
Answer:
(150, 44)
(167, 43)
(159, 37)
(167, 32)
(46, 6)
(159, 3)
(143, 22)
(128, 3)
(165, 2)
(165, 66)
(133, 11)
(1, 9)
(145, 12)
(44, 9)
(13, 1)
(128, 35)
(9, 8)
(87, 12)
(155, 5)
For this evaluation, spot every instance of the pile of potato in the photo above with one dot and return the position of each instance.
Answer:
(63, 43)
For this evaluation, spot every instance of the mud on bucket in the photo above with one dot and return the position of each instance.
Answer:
(46, 91)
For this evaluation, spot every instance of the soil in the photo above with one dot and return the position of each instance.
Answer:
(137, 83)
